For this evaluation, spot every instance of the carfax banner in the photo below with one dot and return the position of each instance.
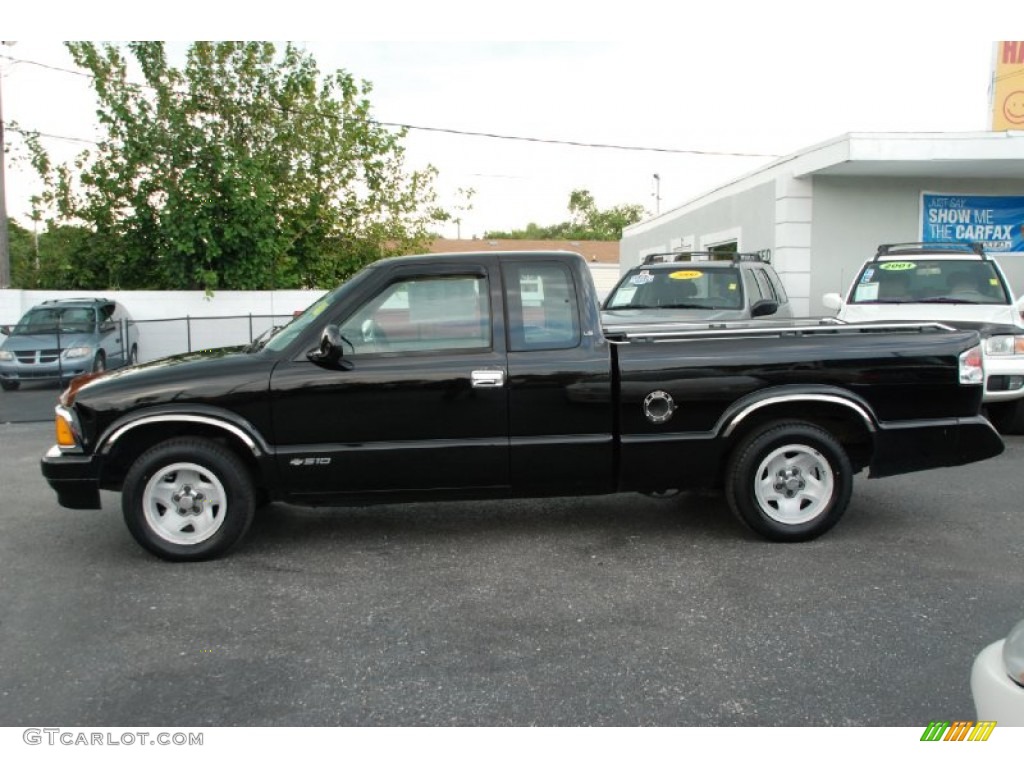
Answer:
(995, 221)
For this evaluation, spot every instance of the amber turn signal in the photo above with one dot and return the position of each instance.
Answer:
(65, 437)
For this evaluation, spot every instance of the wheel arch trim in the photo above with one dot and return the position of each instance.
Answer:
(733, 421)
(253, 444)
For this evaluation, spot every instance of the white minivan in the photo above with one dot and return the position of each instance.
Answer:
(960, 285)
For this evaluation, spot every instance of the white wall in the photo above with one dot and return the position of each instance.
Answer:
(605, 277)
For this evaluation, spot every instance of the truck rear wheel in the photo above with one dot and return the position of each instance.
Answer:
(188, 499)
(789, 481)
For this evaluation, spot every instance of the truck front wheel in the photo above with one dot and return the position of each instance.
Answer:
(789, 481)
(187, 499)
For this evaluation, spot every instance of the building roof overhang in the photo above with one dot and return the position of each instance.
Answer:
(988, 155)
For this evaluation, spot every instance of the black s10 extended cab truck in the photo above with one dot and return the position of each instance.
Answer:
(489, 375)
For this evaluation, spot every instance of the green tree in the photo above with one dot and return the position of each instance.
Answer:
(22, 251)
(61, 257)
(242, 169)
(587, 222)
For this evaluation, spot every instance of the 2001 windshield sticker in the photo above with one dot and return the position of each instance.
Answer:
(995, 221)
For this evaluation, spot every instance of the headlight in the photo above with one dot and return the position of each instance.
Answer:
(1013, 654)
(1004, 345)
(6, 356)
(972, 367)
(72, 352)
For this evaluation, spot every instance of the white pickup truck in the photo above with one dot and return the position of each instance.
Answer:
(960, 285)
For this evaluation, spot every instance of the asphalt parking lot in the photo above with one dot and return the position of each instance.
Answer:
(615, 611)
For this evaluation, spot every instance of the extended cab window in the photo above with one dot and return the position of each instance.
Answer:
(423, 314)
(541, 306)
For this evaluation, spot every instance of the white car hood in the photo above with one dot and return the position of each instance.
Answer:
(1003, 314)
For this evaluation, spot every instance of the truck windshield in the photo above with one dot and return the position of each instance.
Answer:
(922, 281)
(284, 335)
(685, 287)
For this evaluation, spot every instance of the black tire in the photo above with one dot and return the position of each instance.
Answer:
(99, 363)
(769, 474)
(1008, 418)
(9, 386)
(188, 499)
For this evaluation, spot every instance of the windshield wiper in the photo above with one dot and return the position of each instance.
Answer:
(659, 306)
(260, 341)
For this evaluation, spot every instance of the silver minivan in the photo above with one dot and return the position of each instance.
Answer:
(63, 338)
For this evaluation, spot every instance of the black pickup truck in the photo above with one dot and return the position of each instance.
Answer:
(490, 375)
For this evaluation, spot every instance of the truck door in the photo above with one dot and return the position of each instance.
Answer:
(559, 365)
(419, 402)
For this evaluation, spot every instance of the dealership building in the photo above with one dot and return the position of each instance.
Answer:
(819, 213)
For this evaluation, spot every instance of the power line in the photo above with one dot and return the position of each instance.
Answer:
(567, 142)
(15, 129)
(454, 131)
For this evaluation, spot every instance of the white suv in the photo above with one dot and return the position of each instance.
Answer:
(953, 283)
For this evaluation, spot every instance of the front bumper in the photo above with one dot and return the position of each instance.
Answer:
(75, 478)
(909, 446)
(1002, 372)
(22, 372)
(996, 696)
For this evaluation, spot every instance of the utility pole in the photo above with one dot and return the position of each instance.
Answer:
(5, 251)
(657, 194)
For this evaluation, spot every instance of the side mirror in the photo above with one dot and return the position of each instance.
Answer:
(5, 330)
(764, 307)
(330, 350)
(832, 301)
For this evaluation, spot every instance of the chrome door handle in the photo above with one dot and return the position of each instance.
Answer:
(487, 378)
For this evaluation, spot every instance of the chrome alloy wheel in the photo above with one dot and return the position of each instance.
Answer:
(794, 484)
(184, 503)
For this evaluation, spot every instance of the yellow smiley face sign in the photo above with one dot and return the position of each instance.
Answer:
(686, 274)
(898, 266)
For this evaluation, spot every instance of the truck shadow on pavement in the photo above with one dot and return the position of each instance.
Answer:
(529, 521)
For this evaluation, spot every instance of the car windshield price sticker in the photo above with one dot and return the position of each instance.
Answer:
(898, 266)
(866, 292)
(642, 278)
(687, 274)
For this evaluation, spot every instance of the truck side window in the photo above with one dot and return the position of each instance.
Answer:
(423, 314)
(542, 307)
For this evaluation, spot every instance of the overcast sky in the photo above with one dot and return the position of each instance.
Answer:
(732, 88)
